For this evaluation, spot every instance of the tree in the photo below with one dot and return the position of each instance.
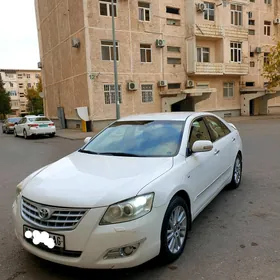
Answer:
(35, 102)
(5, 101)
(271, 68)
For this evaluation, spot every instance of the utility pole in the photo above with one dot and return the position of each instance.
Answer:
(115, 61)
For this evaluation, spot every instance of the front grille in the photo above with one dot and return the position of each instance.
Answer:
(56, 250)
(58, 218)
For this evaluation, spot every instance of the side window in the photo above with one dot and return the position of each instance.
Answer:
(199, 131)
(23, 120)
(217, 128)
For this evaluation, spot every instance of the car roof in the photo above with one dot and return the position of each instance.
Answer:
(175, 116)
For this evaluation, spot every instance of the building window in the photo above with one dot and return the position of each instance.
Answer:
(11, 84)
(209, 12)
(12, 93)
(228, 90)
(147, 93)
(173, 60)
(203, 54)
(107, 50)
(146, 53)
(235, 52)
(266, 58)
(252, 54)
(173, 49)
(170, 21)
(267, 27)
(106, 8)
(37, 76)
(253, 1)
(267, 2)
(144, 11)
(174, 86)
(249, 84)
(19, 76)
(252, 63)
(110, 95)
(29, 85)
(251, 22)
(172, 10)
(236, 14)
(20, 85)
(251, 31)
(28, 76)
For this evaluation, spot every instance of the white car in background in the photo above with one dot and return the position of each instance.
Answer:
(130, 193)
(34, 125)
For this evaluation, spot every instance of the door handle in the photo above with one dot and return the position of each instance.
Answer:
(233, 139)
(216, 152)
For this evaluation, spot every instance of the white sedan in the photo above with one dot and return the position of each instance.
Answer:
(34, 125)
(130, 193)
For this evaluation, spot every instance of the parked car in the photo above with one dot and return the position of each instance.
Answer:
(130, 193)
(34, 125)
(9, 124)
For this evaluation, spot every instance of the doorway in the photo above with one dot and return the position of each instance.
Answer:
(252, 107)
(183, 105)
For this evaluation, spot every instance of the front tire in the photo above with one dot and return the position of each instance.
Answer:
(237, 173)
(174, 230)
(15, 133)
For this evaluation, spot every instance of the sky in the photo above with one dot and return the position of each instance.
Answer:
(19, 47)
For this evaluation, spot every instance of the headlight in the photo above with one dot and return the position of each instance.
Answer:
(128, 210)
(19, 189)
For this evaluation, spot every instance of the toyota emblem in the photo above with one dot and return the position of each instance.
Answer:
(44, 213)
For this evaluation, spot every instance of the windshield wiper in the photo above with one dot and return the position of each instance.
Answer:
(88, 152)
(120, 154)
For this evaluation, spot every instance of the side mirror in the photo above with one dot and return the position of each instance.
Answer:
(16, 123)
(87, 139)
(202, 146)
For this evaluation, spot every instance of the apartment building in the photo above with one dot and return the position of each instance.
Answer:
(173, 55)
(16, 82)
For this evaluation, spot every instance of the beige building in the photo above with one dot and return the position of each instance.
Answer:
(172, 55)
(16, 82)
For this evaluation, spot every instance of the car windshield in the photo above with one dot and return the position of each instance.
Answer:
(13, 120)
(138, 139)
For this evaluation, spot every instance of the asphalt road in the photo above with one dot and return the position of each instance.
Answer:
(236, 237)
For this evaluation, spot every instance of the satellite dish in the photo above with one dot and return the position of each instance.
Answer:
(41, 94)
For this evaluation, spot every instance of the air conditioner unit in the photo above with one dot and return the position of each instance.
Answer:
(276, 21)
(162, 83)
(39, 65)
(131, 86)
(160, 43)
(250, 14)
(258, 49)
(200, 7)
(189, 84)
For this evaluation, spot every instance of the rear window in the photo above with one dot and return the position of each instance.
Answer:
(40, 119)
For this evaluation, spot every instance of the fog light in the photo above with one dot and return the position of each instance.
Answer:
(124, 251)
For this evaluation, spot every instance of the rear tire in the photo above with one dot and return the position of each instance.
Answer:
(174, 230)
(25, 136)
(52, 134)
(237, 173)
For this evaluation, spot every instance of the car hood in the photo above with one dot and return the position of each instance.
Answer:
(84, 180)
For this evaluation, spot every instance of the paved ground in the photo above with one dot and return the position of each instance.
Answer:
(235, 238)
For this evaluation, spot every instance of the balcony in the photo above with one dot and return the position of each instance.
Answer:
(238, 32)
(236, 69)
(203, 68)
(209, 30)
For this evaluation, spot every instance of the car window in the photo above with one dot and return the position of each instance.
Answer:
(199, 131)
(23, 121)
(217, 128)
(139, 138)
(41, 119)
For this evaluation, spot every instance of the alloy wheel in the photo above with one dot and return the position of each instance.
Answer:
(237, 170)
(177, 229)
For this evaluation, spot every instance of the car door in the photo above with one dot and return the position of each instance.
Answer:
(224, 148)
(201, 167)
(21, 126)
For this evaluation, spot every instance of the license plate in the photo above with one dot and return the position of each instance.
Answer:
(58, 239)
(43, 125)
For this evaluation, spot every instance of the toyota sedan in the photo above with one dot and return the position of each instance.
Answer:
(130, 193)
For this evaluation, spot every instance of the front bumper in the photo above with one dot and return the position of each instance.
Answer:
(91, 242)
